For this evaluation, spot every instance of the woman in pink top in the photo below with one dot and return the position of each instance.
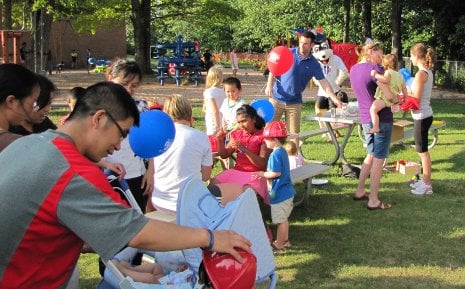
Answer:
(252, 155)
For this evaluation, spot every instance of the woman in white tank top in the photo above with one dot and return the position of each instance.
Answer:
(422, 87)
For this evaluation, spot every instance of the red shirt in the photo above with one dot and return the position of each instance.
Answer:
(253, 143)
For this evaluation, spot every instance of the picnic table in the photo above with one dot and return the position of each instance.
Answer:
(346, 122)
(402, 130)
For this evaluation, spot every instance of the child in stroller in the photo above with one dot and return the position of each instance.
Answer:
(199, 208)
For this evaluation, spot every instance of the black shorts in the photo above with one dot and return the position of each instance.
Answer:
(323, 102)
(420, 133)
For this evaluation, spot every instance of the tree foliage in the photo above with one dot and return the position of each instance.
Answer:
(209, 21)
(255, 25)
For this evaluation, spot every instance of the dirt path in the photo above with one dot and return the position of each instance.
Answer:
(252, 86)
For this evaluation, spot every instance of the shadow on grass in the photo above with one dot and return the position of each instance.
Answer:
(334, 233)
(390, 282)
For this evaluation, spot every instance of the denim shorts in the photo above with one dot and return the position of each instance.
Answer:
(378, 143)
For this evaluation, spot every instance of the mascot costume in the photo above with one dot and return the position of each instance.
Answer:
(335, 72)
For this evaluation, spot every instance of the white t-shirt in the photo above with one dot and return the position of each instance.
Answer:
(296, 161)
(229, 112)
(219, 96)
(182, 161)
(134, 165)
(335, 72)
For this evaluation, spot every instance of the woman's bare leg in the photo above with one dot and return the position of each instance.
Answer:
(376, 106)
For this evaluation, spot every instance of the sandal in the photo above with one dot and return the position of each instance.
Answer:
(362, 198)
(278, 250)
(380, 206)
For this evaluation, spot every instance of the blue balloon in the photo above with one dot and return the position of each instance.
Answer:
(92, 60)
(153, 136)
(264, 108)
(406, 74)
(409, 83)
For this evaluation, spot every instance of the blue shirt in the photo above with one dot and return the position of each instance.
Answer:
(281, 188)
(288, 87)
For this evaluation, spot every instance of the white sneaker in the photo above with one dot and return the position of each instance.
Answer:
(417, 184)
(422, 189)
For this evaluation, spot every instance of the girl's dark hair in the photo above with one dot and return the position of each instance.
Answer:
(16, 80)
(233, 81)
(248, 110)
(76, 92)
(46, 89)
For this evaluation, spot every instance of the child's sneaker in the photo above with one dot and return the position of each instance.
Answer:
(422, 189)
(416, 184)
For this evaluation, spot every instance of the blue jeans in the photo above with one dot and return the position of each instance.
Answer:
(378, 143)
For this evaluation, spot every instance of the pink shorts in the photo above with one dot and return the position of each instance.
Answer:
(245, 179)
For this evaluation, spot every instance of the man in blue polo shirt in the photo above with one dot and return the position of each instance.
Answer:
(286, 92)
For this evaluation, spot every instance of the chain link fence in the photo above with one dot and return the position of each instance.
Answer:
(447, 73)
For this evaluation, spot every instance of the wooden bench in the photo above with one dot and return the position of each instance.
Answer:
(404, 134)
(305, 174)
(302, 136)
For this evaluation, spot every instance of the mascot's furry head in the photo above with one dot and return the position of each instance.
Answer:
(322, 50)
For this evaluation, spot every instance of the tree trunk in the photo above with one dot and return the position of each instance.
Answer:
(40, 42)
(141, 20)
(396, 14)
(6, 15)
(345, 37)
(366, 18)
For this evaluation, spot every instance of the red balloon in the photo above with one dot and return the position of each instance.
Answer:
(280, 60)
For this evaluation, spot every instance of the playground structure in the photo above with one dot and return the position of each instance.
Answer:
(100, 65)
(5, 36)
(185, 62)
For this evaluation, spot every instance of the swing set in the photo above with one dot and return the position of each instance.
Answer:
(6, 36)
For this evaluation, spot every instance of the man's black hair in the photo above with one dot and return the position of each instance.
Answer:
(110, 97)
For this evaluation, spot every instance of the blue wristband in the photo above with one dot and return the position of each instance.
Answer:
(212, 240)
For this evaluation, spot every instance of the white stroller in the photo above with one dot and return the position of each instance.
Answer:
(197, 207)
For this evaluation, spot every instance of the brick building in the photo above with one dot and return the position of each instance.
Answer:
(107, 43)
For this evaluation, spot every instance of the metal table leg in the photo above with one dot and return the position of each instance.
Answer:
(349, 130)
(335, 143)
(339, 149)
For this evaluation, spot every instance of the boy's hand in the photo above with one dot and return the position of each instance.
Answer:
(258, 175)
(373, 73)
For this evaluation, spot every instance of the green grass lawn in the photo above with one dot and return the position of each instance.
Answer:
(338, 243)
